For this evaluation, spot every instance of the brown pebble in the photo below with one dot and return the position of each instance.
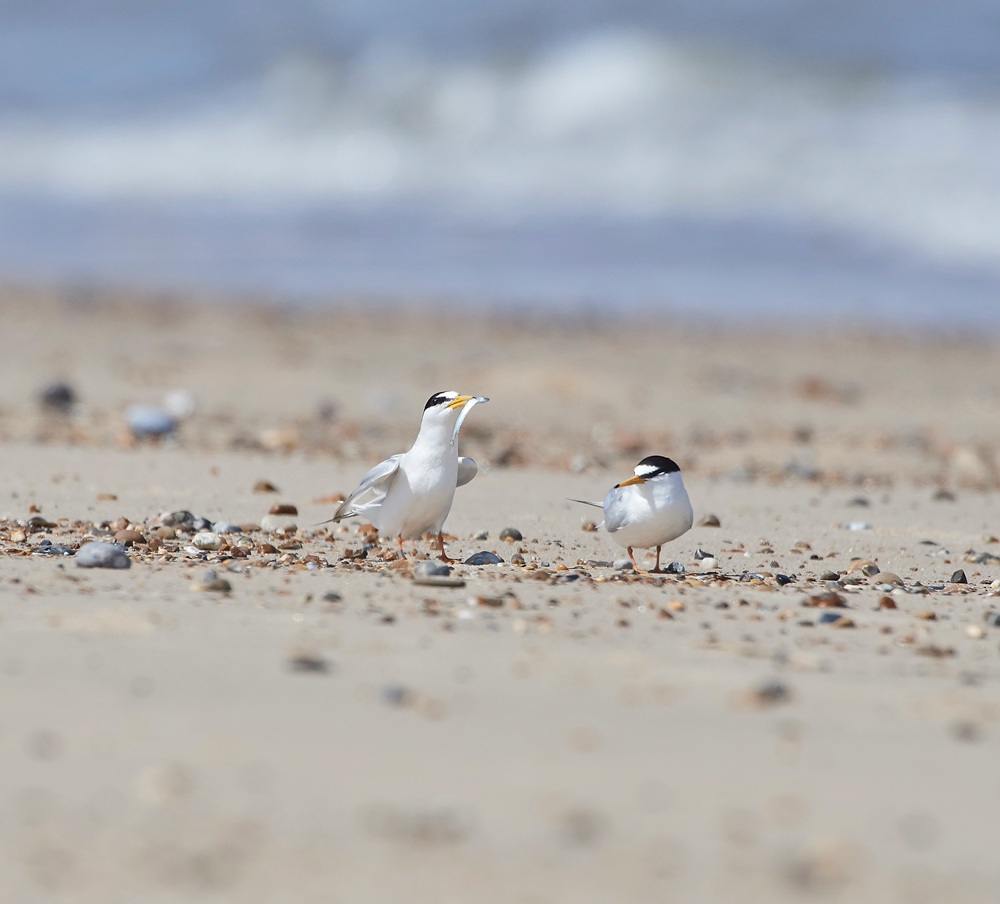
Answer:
(588, 526)
(710, 521)
(264, 486)
(843, 622)
(676, 606)
(106, 497)
(129, 537)
(155, 543)
(662, 613)
(927, 615)
(516, 559)
(885, 577)
(829, 600)
(267, 549)
(283, 508)
(166, 533)
(886, 602)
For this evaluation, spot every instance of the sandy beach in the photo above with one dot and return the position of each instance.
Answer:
(328, 729)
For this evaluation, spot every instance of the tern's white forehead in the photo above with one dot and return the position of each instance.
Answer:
(645, 470)
(655, 466)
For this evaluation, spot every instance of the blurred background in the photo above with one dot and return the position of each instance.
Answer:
(793, 159)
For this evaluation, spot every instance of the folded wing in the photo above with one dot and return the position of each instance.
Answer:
(371, 491)
(467, 469)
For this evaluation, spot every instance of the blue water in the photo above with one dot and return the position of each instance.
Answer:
(785, 158)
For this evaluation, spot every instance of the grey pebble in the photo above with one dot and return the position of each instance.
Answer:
(783, 579)
(147, 420)
(57, 396)
(482, 535)
(826, 618)
(225, 527)
(484, 558)
(48, 548)
(870, 570)
(331, 596)
(429, 567)
(622, 565)
(700, 554)
(102, 555)
(959, 577)
(674, 568)
(857, 525)
(511, 534)
(992, 619)
(829, 576)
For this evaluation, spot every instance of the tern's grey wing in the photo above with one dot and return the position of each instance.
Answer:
(615, 510)
(467, 469)
(372, 489)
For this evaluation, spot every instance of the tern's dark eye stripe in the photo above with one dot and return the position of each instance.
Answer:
(439, 398)
(654, 465)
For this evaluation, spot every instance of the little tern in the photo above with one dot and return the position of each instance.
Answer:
(649, 509)
(411, 493)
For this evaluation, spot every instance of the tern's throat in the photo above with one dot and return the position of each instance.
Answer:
(433, 442)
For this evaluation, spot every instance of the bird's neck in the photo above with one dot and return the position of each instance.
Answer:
(434, 441)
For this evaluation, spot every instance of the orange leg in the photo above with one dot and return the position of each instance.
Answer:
(657, 569)
(399, 543)
(444, 556)
(634, 565)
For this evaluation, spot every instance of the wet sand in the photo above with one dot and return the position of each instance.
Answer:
(555, 731)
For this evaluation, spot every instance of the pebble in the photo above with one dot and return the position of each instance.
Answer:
(517, 559)
(331, 596)
(700, 554)
(48, 548)
(623, 564)
(709, 521)
(857, 525)
(271, 524)
(886, 577)
(870, 570)
(708, 563)
(959, 577)
(588, 526)
(429, 567)
(829, 600)
(97, 554)
(129, 537)
(975, 632)
(264, 486)
(207, 540)
(511, 535)
(992, 619)
(886, 602)
(484, 558)
(225, 527)
(166, 533)
(57, 396)
(283, 508)
(927, 615)
(438, 580)
(783, 579)
(147, 420)
(829, 576)
(212, 582)
(982, 558)
(482, 535)
(828, 618)
(674, 568)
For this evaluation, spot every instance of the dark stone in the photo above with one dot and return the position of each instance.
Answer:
(484, 558)
(511, 535)
(959, 577)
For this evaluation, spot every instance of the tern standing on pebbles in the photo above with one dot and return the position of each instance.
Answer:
(649, 509)
(411, 493)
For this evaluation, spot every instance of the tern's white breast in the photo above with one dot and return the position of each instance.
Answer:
(648, 514)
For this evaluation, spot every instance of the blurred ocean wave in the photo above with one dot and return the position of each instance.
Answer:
(846, 166)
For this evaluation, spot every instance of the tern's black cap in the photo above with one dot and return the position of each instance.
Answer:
(441, 398)
(655, 465)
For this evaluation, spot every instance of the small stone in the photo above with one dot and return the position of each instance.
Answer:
(511, 535)
(886, 577)
(943, 495)
(674, 568)
(959, 577)
(273, 524)
(283, 508)
(870, 570)
(206, 540)
(97, 554)
(676, 606)
(165, 533)
(482, 535)
(700, 554)
(829, 600)
(57, 396)
(886, 602)
(48, 548)
(843, 622)
(517, 559)
(710, 521)
(438, 580)
(129, 537)
(859, 501)
(857, 525)
(211, 582)
(622, 565)
(829, 576)
(429, 567)
(708, 564)
(225, 527)
(307, 661)
(331, 596)
(975, 632)
(18, 536)
(484, 558)
(264, 486)
(828, 618)
(770, 693)
(783, 579)
(927, 615)
(147, 420)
